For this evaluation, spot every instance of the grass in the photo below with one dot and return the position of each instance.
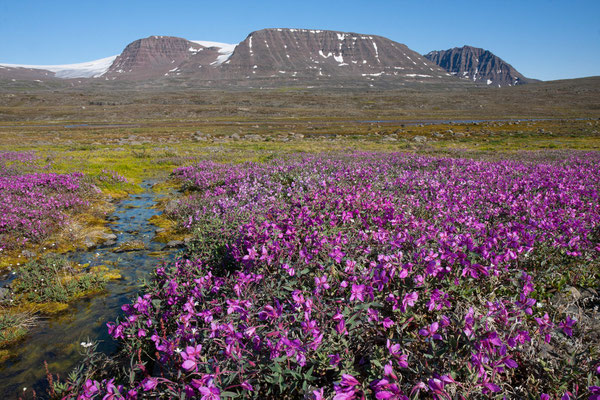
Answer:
(13, 327)
(53, 279)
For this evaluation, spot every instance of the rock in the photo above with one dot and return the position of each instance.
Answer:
(133, 245)
(175, 243)
(4, 293)
(458, 134)
(89, 243)
(28, 254)
(575, 294)
(160, 230)
(109, 236)
(235, 136)
(419, 139)
(253, 137)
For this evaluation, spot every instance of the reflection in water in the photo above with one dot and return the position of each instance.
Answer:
(57, 339)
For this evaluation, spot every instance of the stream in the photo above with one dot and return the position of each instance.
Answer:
(57, 339)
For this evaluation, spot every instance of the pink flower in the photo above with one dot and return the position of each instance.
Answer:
(210, 393)
(567, 326)
(358, 293)
(430, 331)
(149, 384)
(318, 394)
(409, 300)
(189, 355)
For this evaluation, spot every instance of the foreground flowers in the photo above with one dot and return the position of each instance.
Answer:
(386, 276)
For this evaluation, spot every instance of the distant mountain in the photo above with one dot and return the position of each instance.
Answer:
(477, 65)
(91, 69)
(303, 53)
(277, 55)
(281, 56)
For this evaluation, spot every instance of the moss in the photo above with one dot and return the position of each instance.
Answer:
(11, 259)
(170, 230)
(162, 221)
(49, 308)
(5, 355)
(106, 273)
(133, 245)
(165, 187)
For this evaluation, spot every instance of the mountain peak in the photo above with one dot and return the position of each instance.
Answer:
(478, 65)
(322, 54)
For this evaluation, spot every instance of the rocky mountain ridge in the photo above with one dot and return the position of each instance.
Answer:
(477, 65)
(270, 55)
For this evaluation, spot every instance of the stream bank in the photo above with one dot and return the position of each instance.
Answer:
(57, 339)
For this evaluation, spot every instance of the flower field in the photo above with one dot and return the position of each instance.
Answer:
(33, 203)
(387, 276)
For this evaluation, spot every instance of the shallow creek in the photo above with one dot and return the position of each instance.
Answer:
(57, 339)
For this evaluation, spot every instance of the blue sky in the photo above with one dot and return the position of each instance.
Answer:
(544, 39)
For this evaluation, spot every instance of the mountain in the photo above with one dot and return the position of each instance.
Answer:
(275, 56)
(166, 56)
(319, 54)
(478, 65)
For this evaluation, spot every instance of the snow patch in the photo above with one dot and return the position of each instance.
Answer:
(225, 50)
(489, 81)
(417, 76)
(339, 58)
(90, 69)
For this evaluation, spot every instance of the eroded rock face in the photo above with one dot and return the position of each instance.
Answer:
(478, 65)
(301, 53)
(158, 56)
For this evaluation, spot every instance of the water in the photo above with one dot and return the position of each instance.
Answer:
(57, 339)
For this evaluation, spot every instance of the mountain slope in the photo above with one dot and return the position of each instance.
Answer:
(304, 53)
(478, 65)
(279, 56)
(158, 56)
